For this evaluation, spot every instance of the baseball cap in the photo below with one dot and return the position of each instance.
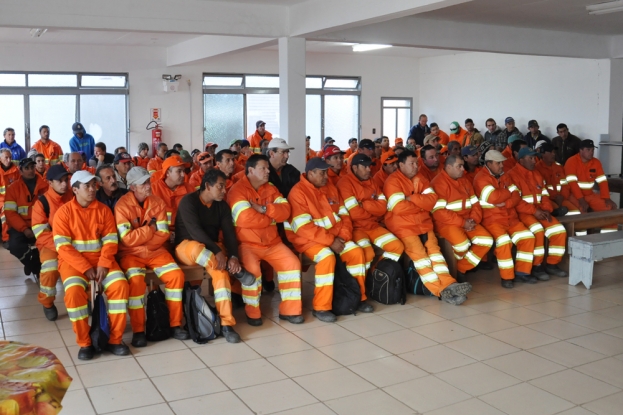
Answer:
(526, 151)
(351, 140)
(454, 127)
(280, 143)
(430, 138)
(389, 157)
(331, 150)
(122, 158)
(469, 151)
(186, 157)
(82, 176)
(137, 175)
(211, 144)
(244, 143)
(78, 128)
(362, 159)
(234, 142)
(533, 123)
(509, 119)
(367, 143)
(316, 163)
(25, 162)
(544, 147)
(494, 155)
(56, 172)
(587, 144)
(328, 140)
(398, 140)
(195, 151)
(260, 122)
(204, 157)
(172, 161)
(514, 137)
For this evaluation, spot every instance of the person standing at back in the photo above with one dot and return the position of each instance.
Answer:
(17, 152)
(567, 144)
(51, 150)
(81, 141)
(419, 131)
(259, 135)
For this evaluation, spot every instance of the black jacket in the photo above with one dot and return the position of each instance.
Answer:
(101, 196)
(566, 148)
(286, 180)
(419, 133)
(532, 141)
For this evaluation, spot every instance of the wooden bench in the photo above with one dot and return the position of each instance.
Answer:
(191, 273)
(585, 250)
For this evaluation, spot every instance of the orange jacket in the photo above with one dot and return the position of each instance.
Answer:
(583, 176)
(334, 178)
(409, 217)
(45, 171)
(492, 191)
(136, 236)
(510, 161)
(379, 178)
(373, 168)
(41, 223)
(555, 179)
(252, 227)
(155, 164)
(141, 161)
(313, 219)
(170, 197)
(242, 160)
(443, 138)
(456, 201)
(462, 137)
(255, 139)
(19, 202)
(532, 189)
(425, 172)
(365, 201)
(7, 178)
(347, 154)
(195, 179)
(52, 152)
(471, 175)
(85, 237)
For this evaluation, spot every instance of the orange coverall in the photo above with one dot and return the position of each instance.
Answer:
(367, 205)
(42, 228)
(411, 221)
(195, 179)
(255, 139)
(86, 238)
(142, 245)
(503, 223)
(471, 175)
(510, 161)
(170, 197)
(456, 203)
(141, 161)
(312, 228)
(7, 177)
(462, 137)
(380, 178)
(556, 181)
(334, 178)
(260, 241)
(52, 152)
(155, 164)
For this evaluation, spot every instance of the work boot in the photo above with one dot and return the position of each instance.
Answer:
(539, 273)
(365, 307)
(118, 349)
(455, 300)
(555, 271)
(487, 266)
(139, 339)
(236, 300)
(460, 277)
(507, 283)
(86, 353)
(528, 279)
(268, 286)
(292, 319)
(326, 316)
(561, 211)
(50, 313)
(5, 245)
(255, 322)
(179, 333)
(456, 289)
(245, 277)
(230, 335)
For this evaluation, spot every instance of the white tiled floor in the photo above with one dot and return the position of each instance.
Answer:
(541, 349)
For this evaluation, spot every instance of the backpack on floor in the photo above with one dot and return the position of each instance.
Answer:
(414, 282)
(100, 325)
(202, 321)
(346, 291)
(157, 326)
(386, 283)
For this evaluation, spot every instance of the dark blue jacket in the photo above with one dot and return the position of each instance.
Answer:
(419, 133)
(17, 152)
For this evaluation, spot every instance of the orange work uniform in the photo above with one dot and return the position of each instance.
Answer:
(470, 175)
(557, 186)
(463, 137)
(503, 223)
(42, 228)
(411, 221)
(444, 138)
(367, 205)
(142, 245)
(456, 203)
(86, 238)
(534, 195)
(7, 177)
(374, 168)
(171, 198)
(195, 179)
(425, 172)
(155, 164)
(335, 177)
(51, 150)
(313, 227)
(510, 161)
(260, 241)
(141, 161)
(380, 178)
(255, 139)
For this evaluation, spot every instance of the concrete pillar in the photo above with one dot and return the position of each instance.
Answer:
(292, 97)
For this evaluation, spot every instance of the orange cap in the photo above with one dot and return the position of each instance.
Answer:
(389, 157)
(398, 140)
(172, 161)
(204, 157)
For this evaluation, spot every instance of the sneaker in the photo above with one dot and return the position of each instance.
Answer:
(456, 289)
(139, 339)
(539, 273)
(179, 333)
(455, 300)
(555, 271)
(118, 349)
(50, 313)
(326, 316)
(487, 266)
(246, 278)
(292, 319)
(365, 307)
(255, 322)
(230, 335)
(528, 279)
(86, 353)
(508, 283)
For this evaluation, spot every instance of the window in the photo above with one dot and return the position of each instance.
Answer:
(98, 101)
(396, 117)
(234, 103)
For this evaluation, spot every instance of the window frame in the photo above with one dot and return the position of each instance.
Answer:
(396, 118)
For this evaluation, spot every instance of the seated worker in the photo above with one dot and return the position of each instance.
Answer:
(100, 156)
(144, 232)
(188, 163)
(171, 188)
(457, 133)
(74, 163)
(498, 198)
(444, 138)
(178, 147)
(109, 192)
(226, 163)
(457, 216)
(334, 157)
(283, 175)
(408, 215)
(378, 150)
(398, 143)
(157, 175)
(471, 163)
(515, 143)
(368, 148)
(583, 171)
(205, 236)
(385, 144)
(328, 141)
(454, 147)
(389, 164)
(20, 198)
(257, 206)
(319, 233)
(9, 173)
(121, 149)
(142, 156)
(556, 180)
(155, 164)
(123, 163)
(309, 153)
(40, 167)
(367, 205)
(429, 162)
(205, 162)
(52, 151)
(534, 211)
(473, 136)
(244, 153)
(42, 217)
(86, 240)
(352, 148)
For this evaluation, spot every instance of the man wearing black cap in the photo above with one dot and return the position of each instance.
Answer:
(352, 148)
(123, 163)
(502, 138)
(81, 141)
(42, 216)
(320, 227)
(367, 148)
(472, 164)
(568, 145)
(555, 179)
(259, 135)
(534, 135)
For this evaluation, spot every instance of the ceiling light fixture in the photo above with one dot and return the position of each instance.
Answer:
(603, 8)
(367, 47)
(37, 32)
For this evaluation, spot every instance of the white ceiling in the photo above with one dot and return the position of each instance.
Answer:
(345, 48)
(92, 37)
(273, 2)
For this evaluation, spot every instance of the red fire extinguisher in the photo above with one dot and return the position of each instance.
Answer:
(156, 136)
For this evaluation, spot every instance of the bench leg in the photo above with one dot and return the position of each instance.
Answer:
(581, 270)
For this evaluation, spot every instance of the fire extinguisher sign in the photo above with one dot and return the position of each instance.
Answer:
(155, 114)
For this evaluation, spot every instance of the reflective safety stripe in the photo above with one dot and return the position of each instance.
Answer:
(604, 231)
(238, 208)
(521, 235)
(357, 270)
(50, 265)
(502, 240)
(556, 250)
(289, 276)
(437, 258)
(351, 203)
(536, 228)
(336, 217)
(160, 271)
(287, 226)
(572, 178)
(117, 306)
(87, 246)
(381, 197)
(10, 205)
(78, 313)
(39, 229)
(462, 247)
(525, 256)
(482, 241)
(135, 272)
(169, 217)
(173, 294)
(48, 291)
(342, 211)
(539, 251)
(204, 258)
(111, 238)
(505, 263)
(323, 280)
(383, 240)
(349, 246)
(555, 230)
(457, 205)
(280, 199)
(221, 294)
(72, 281)
(61, 240)
(136, 303)
(391, 255)
(528, 199)
(513, 188)
(441, 269)
(323, 223)
(364, 243)
(441, 204)
(124, 229)
(394, 200)
(472, 258)
(429, 277)
(586, 185)
(486, 192)
(600, 178)
(162, 226)
(422, 263)
(293, 294)
(473, 199)
(324, 253)
(300, 221)
(251, 301)
(112, 277)
(428, 190)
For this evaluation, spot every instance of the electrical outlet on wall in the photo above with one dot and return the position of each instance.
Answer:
(374, 131)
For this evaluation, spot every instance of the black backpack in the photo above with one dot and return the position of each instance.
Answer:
(157, 327)
(414, 282)
(386, 283)
(346, 291)
(100, 325)
(202, 321)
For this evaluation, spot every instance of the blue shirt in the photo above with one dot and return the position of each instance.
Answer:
(86, 144)
(17, 152)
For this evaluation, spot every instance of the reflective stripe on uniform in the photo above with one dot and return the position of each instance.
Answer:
(87, 246)
(525, 256)
(238, 208)
(441, 203)
(351, 203)
(136, 303)
(357, 270)
(437, 258)
(349, 246)
(428, 190)
(462, 247)
(521, 235)
(222, 294)
(204, 258)
(323, 280)
(61, 241)
(160, 271)
(117, 306)
(162, 226)
(112, 277)
(324, 253)
(383, 240)
(536, 228)
(124, 229)
(291, 294)
(300, 221)
(50, 265)
(174, 294)
(391, 255)
(10, 205)
(505, 263)
(554, 230)
(502, 240)
(482, 241)
(135, 272)
(39, 229)
(288, 276)
(394, 200)
(73, 281)
(364, 243)
(78, 313)
(48, 291)
(111, 238)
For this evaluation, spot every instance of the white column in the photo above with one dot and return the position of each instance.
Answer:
(292, 97)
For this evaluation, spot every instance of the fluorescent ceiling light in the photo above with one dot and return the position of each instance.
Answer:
(365, 48)
(603, 8)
